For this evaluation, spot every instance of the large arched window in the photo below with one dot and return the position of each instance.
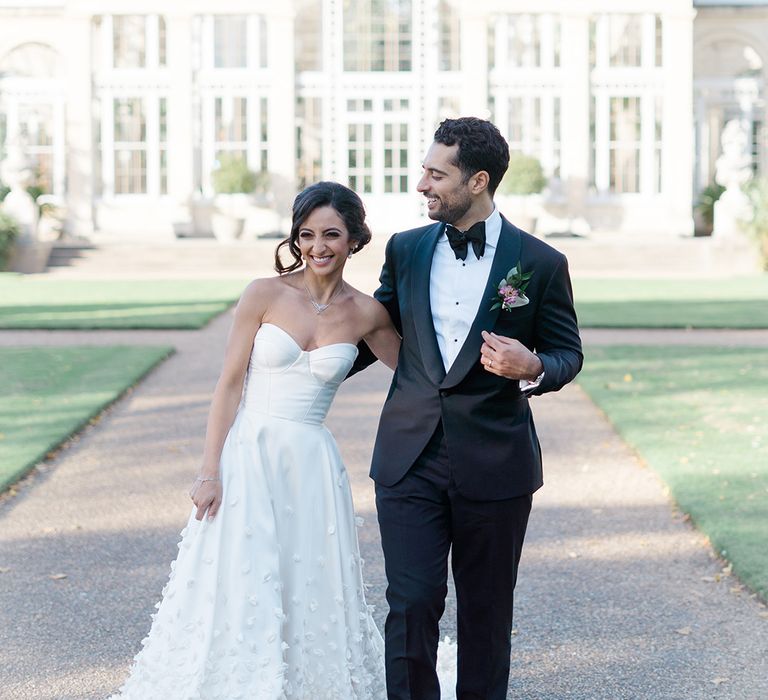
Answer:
(32, 110)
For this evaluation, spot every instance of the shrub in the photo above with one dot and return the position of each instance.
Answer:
(233, 176)
(9, 231)
(705, 204)
(524, 175)
(757, 224)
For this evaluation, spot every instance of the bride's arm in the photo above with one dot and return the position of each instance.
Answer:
(383, 339)
(206, 492)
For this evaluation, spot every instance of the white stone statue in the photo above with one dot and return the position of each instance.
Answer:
(16, 172)
(733, 169)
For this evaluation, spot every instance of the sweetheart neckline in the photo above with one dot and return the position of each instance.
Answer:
(302, 350)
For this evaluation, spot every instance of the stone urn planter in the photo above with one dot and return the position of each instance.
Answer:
(29, 256)
(234, 184)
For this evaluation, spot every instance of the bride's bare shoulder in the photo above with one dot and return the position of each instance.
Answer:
(369, 307)
(259, 293)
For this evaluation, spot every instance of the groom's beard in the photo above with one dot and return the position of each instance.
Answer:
(451, 209)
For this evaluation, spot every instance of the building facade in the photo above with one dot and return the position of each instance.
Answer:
(126, 106)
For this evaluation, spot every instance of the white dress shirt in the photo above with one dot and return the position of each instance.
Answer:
(456, 291)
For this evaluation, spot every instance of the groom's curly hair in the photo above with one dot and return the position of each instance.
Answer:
(481, 147)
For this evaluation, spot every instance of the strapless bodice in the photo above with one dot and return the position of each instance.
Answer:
(287, 382)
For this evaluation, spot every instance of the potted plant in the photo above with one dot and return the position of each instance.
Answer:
(234, 183)
(705, 208)
(524, 177)
(9, 231)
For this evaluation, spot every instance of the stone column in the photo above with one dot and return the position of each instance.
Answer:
(574, 117)
(281, 97)
(677, 127)
(474, 61)
(180, 117)
(76, 25)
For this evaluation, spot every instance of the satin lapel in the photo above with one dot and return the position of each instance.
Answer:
(506, 257)
(422, 310)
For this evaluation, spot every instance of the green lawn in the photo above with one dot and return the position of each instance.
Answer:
(33, 302)
(699, 417)
(672, 303)
(47, 394)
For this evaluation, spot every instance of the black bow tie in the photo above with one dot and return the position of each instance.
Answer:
(459, 239)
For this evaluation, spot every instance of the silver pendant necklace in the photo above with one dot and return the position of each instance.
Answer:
(319, 308)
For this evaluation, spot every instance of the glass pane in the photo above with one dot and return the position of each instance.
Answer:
(524, 47)
(162, 49)
(163, 171)
(449, 55)
(129, 41)
(231, 118)
(230, 41)
(263, 117)
(308, 46)
(163, 119)
(36, 124)
(130, 124)
(624, 162)
(130, 171)
(625, 37)
(377, 35)
(263, 57)
(515, 132)
(659, 37)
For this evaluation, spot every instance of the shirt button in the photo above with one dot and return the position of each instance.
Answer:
(457, 303)
(455, 340)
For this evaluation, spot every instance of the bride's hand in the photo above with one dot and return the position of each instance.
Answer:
(206, 495)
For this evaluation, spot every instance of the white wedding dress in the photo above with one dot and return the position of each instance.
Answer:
(266, 602)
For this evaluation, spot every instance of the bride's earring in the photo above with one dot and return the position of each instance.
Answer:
(351, 250)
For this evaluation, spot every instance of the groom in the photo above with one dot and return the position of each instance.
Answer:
(456, 459)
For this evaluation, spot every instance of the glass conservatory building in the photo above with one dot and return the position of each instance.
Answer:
(125, 107)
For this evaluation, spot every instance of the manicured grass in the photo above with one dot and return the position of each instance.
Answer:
(47, 394)
(33, 302)
(699, 417)
(672, 303)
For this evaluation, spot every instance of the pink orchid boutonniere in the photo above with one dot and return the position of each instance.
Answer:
(511, 290)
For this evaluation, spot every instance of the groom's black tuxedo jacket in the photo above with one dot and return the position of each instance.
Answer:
(492, 445)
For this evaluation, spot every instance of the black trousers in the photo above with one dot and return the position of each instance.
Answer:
(421, 518)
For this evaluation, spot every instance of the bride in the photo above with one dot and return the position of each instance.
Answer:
(265, 600)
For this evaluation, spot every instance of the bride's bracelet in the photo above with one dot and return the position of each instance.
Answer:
(202, 479)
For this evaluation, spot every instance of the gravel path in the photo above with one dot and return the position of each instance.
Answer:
(618, 597)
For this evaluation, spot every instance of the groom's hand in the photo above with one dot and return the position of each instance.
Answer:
(508, 358)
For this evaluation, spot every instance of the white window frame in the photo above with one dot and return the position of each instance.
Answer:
(153, 145)
(378, 118)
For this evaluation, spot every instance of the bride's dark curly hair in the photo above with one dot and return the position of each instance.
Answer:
(324, 194)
